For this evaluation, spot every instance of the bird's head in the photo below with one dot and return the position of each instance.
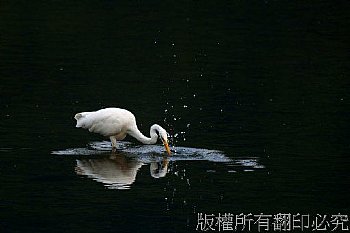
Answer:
(163, 135)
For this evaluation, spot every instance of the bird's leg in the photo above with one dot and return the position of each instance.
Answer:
(114, 142)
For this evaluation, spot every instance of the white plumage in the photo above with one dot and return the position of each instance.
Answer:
(116, 123)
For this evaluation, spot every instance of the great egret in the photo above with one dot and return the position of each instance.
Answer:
(116, 123)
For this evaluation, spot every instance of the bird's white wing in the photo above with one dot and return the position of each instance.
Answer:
(108, 122)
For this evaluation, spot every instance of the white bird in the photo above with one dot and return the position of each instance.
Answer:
(116, 123)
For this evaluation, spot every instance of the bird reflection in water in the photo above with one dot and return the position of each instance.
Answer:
(159, 169)
(118, 171)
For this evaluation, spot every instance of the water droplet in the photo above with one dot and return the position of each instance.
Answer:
(185, 106)
(188, 125)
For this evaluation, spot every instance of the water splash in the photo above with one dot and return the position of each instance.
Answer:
(118, 169)
(146, 153)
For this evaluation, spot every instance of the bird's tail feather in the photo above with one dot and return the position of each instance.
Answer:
(80, 119)
(78, 116)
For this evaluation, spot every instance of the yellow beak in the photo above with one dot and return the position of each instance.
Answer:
(167, 148)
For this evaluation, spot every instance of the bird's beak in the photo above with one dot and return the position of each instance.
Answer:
(167, 148)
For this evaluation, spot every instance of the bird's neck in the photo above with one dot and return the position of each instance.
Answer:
(135, 132)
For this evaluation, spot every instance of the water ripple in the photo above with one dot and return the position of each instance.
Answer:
(146, 153)
(118, 169)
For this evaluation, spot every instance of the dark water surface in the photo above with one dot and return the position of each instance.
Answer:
(255, 96)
